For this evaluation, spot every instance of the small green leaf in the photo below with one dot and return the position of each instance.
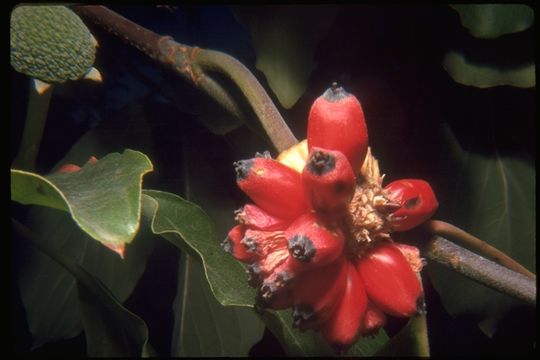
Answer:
(285, 39)
(468, 73)
(204, 327)
(103, 198)
(309, 343)
(187, 226)
(490, 21)
(412, 340)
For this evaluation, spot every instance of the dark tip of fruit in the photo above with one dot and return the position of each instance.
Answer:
(411, 203)
(249, 243)
(264, 154)
(301, 248)
(228, 245)
(302, 316)
(254, 275)
(321, 163)
(335, 93)
(242, 168)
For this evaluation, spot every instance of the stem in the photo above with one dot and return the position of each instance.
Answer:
(473, 243)
(192, 63)
(274, 125)
(481, 269)
(36, 116)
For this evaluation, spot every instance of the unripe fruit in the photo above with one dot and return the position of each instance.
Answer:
(256, 218)
(417, 200)
(295, 157)
(316, 294)
(311, 243)
(329, 181)
(336, 121)
(273, 186)
(344, 326)
(390, 282)
(232, 244)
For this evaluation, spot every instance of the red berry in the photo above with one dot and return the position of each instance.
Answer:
(317, 293)
(68, 168)
(232, 244)
(344, 326)
(256, 218)
(390, 282)
(311, 243)
(270, 250)
(275, 290)
(373, 320)
(336, 121)
(417, 200)
(274, 187)
(329, 181)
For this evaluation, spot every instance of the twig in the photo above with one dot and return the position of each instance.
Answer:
(192, 63)
(36, 117)
(481, 269)
(451, 232)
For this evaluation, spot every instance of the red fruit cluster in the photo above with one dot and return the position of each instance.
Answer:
(318, 240)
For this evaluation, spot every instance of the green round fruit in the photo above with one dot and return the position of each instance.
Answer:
(50, 43)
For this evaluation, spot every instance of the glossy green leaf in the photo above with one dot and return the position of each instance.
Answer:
(187, 226)
(285, 39)
(103, 198)
(49, 293)
(110, 329)
(489, 21)
(412, 340)
(494, 200)
(204, 327)
(309, 343)
(469, 73)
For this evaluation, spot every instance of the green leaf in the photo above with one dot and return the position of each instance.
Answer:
(490, 21)
(494, 200)
(48, 292)
(285, 39)
(203, 326)
(110, 329)
(309, 343)
(412, 340)
(103, 198)
(187, 226)
(469, 73)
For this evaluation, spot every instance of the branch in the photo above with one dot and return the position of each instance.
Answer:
(473, 243)
(481, 269)
(192, 63)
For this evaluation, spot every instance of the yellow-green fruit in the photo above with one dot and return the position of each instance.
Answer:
(50, 43)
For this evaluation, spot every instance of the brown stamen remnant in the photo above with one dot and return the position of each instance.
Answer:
(370, 210)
